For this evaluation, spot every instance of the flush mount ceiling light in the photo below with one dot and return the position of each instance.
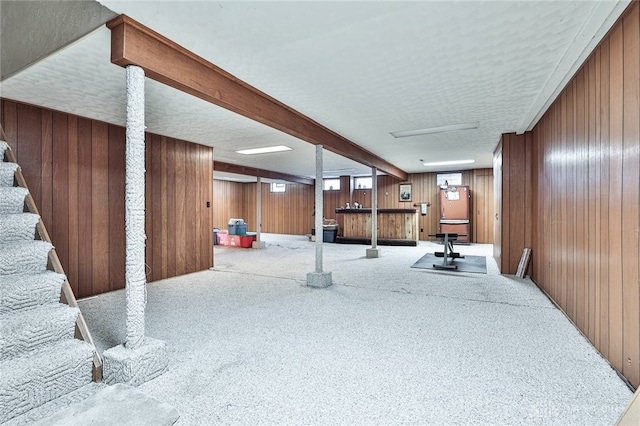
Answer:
(265, 150)
(432, 130)
(449, 163)
(338, 172)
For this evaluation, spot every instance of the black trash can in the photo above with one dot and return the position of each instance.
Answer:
(329, 235)
(215, 236)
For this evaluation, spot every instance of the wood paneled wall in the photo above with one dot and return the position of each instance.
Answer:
(515, 216)
(74, 167)
(483, 206)
(179, 184)
(497, 203)
(335, 199)
(423, 189)
(229, 202)
(585, 197)
(289, 212)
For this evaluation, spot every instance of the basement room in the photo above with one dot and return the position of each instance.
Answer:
(309, 213)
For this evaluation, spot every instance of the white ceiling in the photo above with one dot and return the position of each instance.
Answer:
(362, 69)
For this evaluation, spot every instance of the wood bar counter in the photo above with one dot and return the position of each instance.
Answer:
(395, 226)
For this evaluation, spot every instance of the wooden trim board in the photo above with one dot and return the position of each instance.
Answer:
(524, 263)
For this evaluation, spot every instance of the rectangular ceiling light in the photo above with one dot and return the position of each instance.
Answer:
(432, 130)
(265, 150)
(449, 163)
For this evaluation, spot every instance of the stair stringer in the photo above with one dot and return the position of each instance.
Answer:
(32, 284)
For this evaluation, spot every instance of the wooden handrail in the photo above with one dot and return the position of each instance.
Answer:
(66, 293)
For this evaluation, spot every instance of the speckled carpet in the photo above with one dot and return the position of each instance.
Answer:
(387, 344)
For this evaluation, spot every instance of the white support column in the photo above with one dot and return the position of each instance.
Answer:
(140, 358)
(135, 237)
(374, 251)
(319, 278)
(258, 242)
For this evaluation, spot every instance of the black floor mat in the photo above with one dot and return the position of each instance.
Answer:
(476, 264)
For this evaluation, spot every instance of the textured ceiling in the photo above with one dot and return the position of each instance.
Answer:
(24, 23)
(362, 69)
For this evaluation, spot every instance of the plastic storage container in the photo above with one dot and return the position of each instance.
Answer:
(223, 238)
(244, 241)
(237, 227)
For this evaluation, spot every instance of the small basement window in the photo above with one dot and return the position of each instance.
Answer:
(278, 187)
(449, 178)
(363, 183)
(331, 184)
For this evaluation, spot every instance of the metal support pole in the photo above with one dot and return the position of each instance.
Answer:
(319, 209)
(319, 279)
(374, 208)
(259, 209)
(136, 290)
(374, 251)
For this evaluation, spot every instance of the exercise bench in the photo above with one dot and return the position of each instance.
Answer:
(448, 253)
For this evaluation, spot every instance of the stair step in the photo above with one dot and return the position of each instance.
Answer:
(28, 291)
(18, 227)
(7, 172)
(3, 148)
(24, 257)
(40, 360)
(12, 199)
(41, 414)
(26, 331)
(29, 381)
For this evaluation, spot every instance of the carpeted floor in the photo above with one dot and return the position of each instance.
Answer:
(386, 344)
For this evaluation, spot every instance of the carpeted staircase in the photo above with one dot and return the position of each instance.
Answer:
(40, 357)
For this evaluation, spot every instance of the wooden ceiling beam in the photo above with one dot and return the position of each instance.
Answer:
(167, 62)
(219, 166)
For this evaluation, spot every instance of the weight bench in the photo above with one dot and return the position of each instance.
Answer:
(448, 253)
